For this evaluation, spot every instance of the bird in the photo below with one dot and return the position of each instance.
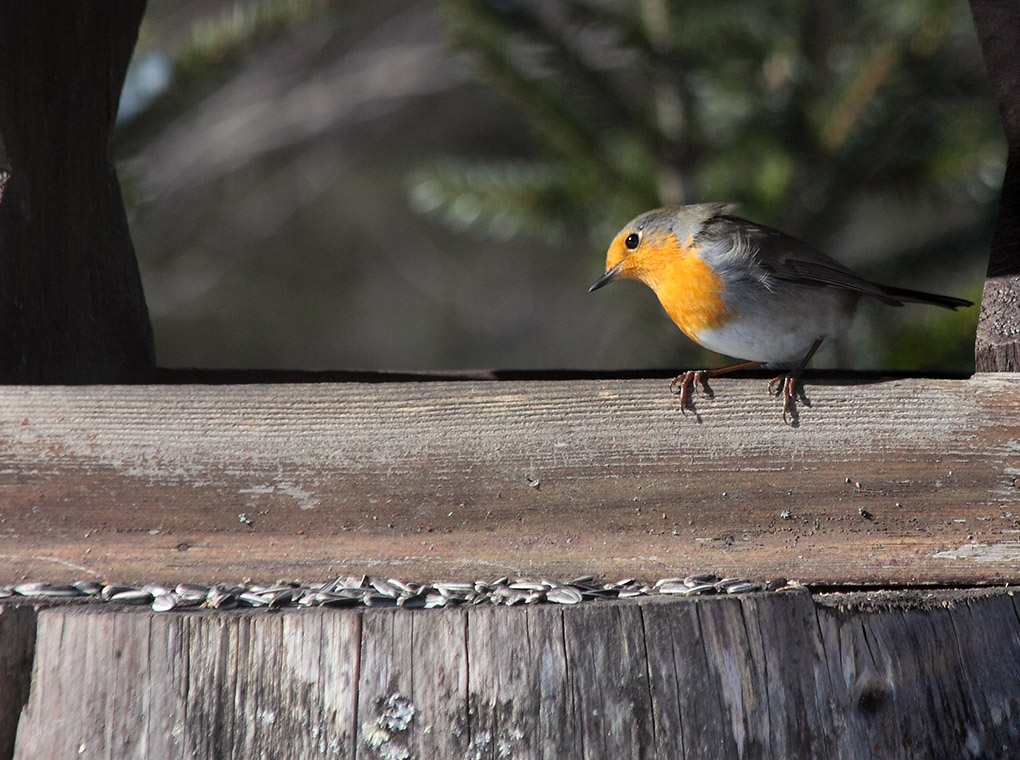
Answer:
(745, 290)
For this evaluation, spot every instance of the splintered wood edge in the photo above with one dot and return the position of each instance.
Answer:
(902, 481)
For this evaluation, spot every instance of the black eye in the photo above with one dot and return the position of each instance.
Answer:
(632, 241)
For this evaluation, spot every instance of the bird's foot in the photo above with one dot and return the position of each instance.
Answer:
(786, 385)
(682, 384)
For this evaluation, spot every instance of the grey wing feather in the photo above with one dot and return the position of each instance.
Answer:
(829, 275)
(730, 240)
(811, 267)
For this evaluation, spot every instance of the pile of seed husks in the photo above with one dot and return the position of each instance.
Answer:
(350, 591)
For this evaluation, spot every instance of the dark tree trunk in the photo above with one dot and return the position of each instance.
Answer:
(71, 303)
(998, 336)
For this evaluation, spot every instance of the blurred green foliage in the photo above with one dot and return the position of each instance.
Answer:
(791, 108)
(864, 127)
(822, 117)
(208, 47)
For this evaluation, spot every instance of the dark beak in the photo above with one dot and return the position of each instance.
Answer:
(606, 278)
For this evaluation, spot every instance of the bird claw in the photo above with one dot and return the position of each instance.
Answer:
(682, 383)
(787, 386)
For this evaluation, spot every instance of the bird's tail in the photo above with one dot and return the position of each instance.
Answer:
(900, 296)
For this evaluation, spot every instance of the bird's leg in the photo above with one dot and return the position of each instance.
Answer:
(789, 381)
(682, 383)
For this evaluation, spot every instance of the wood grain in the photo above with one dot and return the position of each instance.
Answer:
(997, 343)
(859, 675)
(898, 481)
(606, 659)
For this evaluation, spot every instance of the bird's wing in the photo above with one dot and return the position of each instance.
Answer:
(829, 274)
(785, 258)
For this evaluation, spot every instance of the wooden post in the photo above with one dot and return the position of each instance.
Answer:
(998, 335)
(71, 302)
(774, 675)
(17, 648)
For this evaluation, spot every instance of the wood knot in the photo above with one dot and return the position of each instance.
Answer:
(870, 693)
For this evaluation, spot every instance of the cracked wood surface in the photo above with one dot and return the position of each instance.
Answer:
(886, 481)
(768, 675)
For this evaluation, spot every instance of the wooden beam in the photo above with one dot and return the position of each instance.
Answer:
(886, 482)
(934, 674)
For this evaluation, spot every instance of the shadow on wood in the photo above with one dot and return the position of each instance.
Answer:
(773, 675)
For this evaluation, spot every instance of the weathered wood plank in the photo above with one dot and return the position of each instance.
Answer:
(165, 726)
(502, 694)
(440, 685)
(686, 706)
(423, 480)
(803, 710)
(322, 665)
(17, 647)
(760, 676)
(200, 685)
(609, 681)
(386, 714)
(922, 681)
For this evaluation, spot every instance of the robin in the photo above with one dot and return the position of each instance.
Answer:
(744, 290)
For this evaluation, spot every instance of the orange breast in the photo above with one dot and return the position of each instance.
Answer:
(687, 287)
